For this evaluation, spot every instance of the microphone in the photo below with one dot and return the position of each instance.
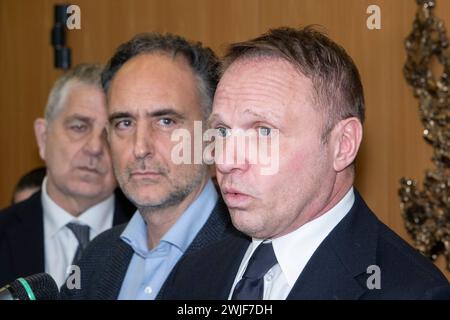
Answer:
(39, 286)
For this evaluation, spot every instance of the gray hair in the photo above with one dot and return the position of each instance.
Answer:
(202, 60)
(88, 74)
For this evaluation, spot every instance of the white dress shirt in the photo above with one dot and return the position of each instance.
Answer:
(294, 250)
(60, 243)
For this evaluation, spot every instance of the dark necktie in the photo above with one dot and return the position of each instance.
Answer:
(251, 286)
(81, 232)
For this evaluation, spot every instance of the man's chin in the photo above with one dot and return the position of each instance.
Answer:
(89, 177)
(246, 223)
(252, 231)
(142, 201)
(89, 190)
(152, 201)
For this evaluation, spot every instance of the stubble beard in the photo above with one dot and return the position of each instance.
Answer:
(178, 192)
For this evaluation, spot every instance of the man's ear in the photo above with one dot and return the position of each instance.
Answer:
(40, 132)
(348, 135)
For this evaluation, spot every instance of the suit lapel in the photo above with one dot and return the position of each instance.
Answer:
(123, 208)
(223, 269)
(26, 238)
(214, 229)
(217, 227)
(334, 271)
(109, 285)
(325, 277)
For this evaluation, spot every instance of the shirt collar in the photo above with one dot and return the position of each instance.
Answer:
(294, 250)
(97, 217)
(182, 233)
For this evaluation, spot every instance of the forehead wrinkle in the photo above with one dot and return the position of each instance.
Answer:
(264, 114)
(275, 75)
(266, 87)
(253, 108)
(255, 104)
(77, 116)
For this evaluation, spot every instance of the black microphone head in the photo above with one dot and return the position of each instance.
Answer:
(39, 286)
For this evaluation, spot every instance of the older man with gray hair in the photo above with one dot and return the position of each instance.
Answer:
(49, 231)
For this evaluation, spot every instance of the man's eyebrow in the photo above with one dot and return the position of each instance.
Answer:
(153, 114)
(247, 112)
(118, 115)
(268, 117)
(79, 117)
(166, 112)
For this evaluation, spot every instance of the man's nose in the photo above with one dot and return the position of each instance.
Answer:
(96, 144)
(143, 143)
(230, 155)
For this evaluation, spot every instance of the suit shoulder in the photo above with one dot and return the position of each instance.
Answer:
(8, 216)
(11, 214)
(412, 268)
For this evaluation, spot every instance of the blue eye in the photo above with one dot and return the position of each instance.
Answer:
(166, 122)
(123, 124)
(264, 131)
(223, 132)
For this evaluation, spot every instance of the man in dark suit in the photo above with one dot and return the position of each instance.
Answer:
(158, 88)
(307, 233)
(49, 231)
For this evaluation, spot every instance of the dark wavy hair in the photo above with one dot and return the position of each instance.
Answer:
(202, 60)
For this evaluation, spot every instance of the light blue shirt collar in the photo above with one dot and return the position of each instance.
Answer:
(181, 234)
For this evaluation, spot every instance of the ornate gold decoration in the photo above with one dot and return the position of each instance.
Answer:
(427, 212)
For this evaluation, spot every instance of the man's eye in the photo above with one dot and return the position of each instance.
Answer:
(78, 127)
(166, 122)
(264, 131)
(123, 124)
(223, 132)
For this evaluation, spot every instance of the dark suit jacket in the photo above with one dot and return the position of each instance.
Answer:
(105, 262)
(337, 269)
(22, 236)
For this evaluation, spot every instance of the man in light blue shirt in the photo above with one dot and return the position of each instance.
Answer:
(149, 269)
(157, 87)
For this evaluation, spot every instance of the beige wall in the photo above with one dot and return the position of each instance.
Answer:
(392, 145)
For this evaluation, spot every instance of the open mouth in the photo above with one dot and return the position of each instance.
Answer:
(234, 197)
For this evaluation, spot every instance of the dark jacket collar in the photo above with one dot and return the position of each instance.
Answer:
(333, 270)
(123, 208)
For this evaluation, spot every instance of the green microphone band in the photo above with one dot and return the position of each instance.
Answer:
(27, 287)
